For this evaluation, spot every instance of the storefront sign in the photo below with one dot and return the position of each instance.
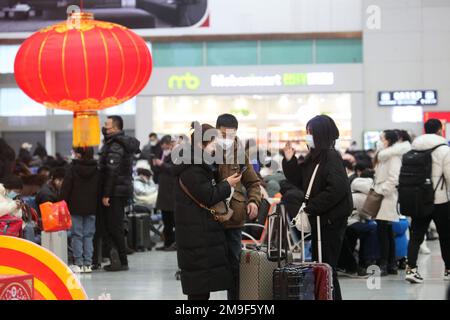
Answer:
(408, 98)
(192, 82)
(276, 80)
(186, 81)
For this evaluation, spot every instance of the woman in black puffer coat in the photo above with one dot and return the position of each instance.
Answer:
(330, 198)
(7, 158)
(201, 242)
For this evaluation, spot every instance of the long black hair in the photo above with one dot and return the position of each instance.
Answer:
(403, 135)
(87, 153)
(391, 137)
(324, 132)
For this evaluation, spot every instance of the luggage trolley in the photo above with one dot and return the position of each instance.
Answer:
(255, 232)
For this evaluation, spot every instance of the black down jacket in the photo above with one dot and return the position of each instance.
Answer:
(116, 165)
(201, 242)
(330, 197)
(165, 200)
(81, 187)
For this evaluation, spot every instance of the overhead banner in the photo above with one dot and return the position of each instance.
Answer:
(33, 15)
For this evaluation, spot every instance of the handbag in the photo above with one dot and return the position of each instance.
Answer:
(220, 211)
(55, 216)
(372, 204)
(10, 226)
(30, 219)
(301, 221)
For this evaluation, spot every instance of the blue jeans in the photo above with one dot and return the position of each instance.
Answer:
(83, 230)
(368, 251)
(367, 233)
(234, 242)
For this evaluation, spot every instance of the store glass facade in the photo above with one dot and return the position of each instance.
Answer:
(272, 119)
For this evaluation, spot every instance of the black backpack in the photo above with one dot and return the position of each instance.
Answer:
(415, 189)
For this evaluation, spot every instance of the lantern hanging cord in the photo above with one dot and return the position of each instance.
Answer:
(81, 5)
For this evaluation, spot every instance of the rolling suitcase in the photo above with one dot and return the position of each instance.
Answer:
(139, 231)
(255, 275)
(323, 273)
(56, 242)
(256, 269)
(291, 282)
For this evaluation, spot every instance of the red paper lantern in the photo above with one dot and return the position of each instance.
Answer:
(83, 65)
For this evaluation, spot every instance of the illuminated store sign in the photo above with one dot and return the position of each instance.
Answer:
(276, 80)
(408, 98)
(188, 81)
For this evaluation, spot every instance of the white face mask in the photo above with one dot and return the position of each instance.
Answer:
(210, 148)
(153, 143)
(380, 145)
(225, 143)
(166, 153)
(12, 194)
(309, 141)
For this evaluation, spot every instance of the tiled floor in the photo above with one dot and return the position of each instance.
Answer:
(151, 276)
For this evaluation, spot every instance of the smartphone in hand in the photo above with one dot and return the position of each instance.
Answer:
(242, 168)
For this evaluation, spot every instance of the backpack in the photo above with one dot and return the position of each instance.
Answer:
(415, 189)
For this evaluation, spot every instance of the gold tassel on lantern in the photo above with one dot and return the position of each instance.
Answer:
(86, 129)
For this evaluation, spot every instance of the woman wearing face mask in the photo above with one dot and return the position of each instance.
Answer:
(163, 169)
(8, 206)
(330, 196)
(202, 248)
(388, 162)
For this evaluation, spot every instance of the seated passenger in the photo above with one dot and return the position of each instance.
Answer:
(145, 190)
(8, 206)
(361, 227)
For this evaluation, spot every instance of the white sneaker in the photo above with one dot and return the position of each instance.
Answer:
(87, 269)
(424, 248)
(76, 269)
(413, 276)
(447, 275)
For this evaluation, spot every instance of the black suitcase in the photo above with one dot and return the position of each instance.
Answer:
(139, 232)
(291, 282)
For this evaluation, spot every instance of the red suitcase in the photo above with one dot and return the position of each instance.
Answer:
(323, 272)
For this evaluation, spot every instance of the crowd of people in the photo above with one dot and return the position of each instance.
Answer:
(205, 202)
(384, 238)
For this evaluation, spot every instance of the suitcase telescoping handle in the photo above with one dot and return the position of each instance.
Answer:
(319, 241)
(282, 235)
(277, 217)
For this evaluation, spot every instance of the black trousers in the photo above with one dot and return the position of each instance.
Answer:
(168, 218)
(386, 240)
(198, 296)
(115, 234)
(234, 244)
(98, 236)
(347, 260)
(332, 239)
(419, 227)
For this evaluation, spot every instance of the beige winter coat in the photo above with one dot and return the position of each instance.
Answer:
(360, 188)
(387, 173)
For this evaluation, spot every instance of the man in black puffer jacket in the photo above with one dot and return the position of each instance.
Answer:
(116, 167)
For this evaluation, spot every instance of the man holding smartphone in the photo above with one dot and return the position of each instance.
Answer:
(243, 204)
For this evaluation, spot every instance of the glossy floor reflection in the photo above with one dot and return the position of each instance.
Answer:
(151, 277)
